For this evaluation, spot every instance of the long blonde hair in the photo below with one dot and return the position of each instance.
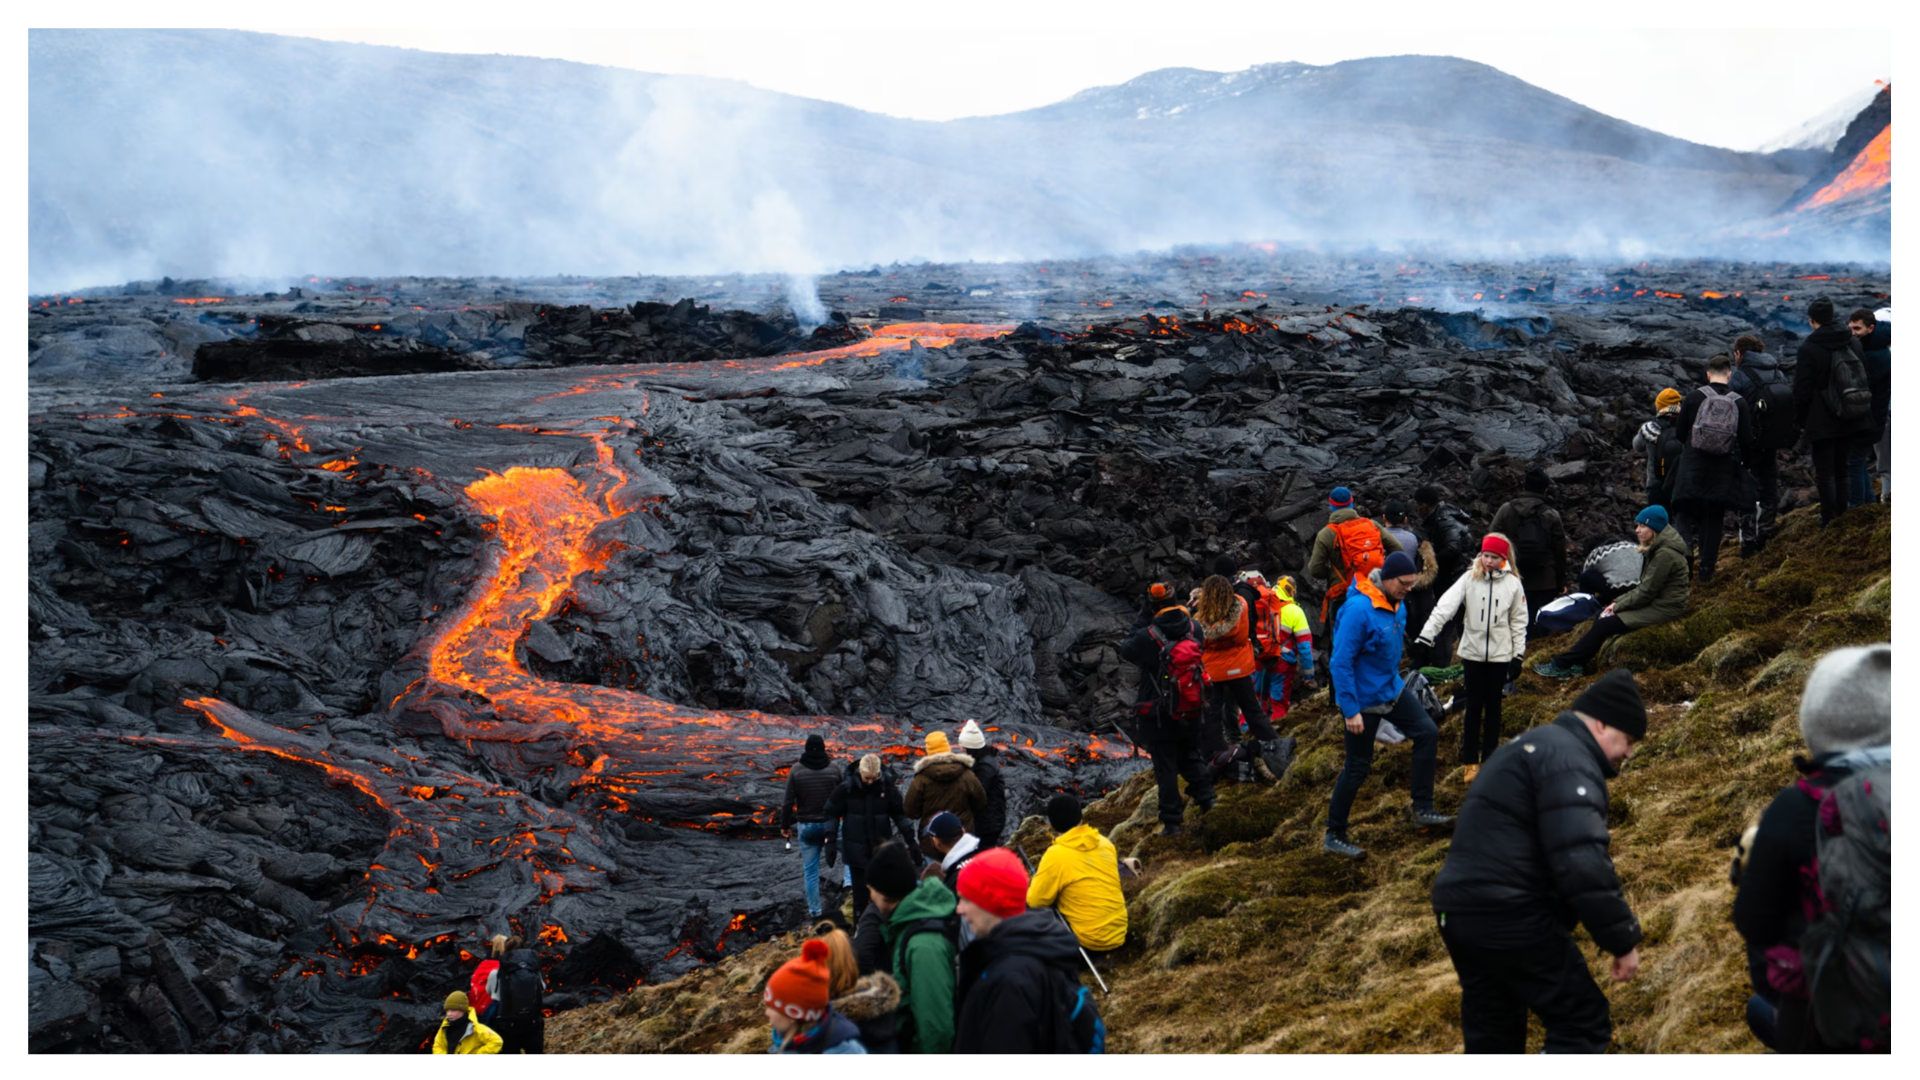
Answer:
(842, 969)
(1216, 600)
(1480, 572)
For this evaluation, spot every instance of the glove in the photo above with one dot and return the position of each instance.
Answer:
(1515, 667)
(1420, 652)
(830, 853)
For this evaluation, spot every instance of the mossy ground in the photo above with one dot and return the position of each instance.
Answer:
(1246, 938)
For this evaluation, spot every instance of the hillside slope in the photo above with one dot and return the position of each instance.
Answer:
(1246, 938)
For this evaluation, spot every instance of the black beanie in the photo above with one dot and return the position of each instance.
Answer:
(1226, 567)
(1537, 481)
(1614, 700)
(1820, 310)
(891, 871)
(1396, 512)
(1063, 812)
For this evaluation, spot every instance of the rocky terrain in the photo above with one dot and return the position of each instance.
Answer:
(330, 679)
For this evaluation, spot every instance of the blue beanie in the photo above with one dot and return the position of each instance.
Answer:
(1398, 564)
(1339, 499)
(1653, 517)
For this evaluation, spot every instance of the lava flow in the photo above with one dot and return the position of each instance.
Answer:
(1870, 169)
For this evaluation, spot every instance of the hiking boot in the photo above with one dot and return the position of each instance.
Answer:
(1171, 830)
(1472, 771)
(1552, 670)
(1204, 807)
(1275, 756)
(1338, 844)
(1429, 819)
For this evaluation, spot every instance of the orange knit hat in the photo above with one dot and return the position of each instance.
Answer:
(937, 742)
(1666, 399)
(799, 988)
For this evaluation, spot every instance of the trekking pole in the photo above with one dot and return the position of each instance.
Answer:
(1083, 952)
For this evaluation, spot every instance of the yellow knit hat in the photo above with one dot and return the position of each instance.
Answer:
(937, 742)
(1666, 399)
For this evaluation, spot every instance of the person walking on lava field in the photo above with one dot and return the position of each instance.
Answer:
(1226, 628)
(1876, 344)
(1528, 861)
(1495, 635)
(1170, 710)
(1024, 994)
(1716, 431)
(1660, 597)
(944, 780)
(1817, 872)
(867, 811)
(1659, 439)
(992, 825)
(461, 1032)
(921, 936)
(1079, 876)
(1367, 688)
(1768, 391)
(810, 783)
(800, 1010)
(1538, 542)
(1346, 546)
(1832, 402)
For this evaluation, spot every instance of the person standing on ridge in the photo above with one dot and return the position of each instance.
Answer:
(1716, 431)
(921, 938)
(1876, 343)
(1528, 861)
(1027, 997)
(1538, 541)
(810, 783)
(1659, 439)
(1367, 688)
(1400, 527)
(1832, 402)
(461, 1032)
(1495, 608)
(1168, 653)
(798, 1001)
(867, 810)
(1768, 391)
(943, 780)
(1227, 652)
(1348, 546)
(986, 766)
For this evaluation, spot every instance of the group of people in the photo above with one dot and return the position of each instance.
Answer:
(502, 1011)
(961, 948)
(1716, 450)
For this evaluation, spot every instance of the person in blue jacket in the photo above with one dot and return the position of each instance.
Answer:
(1367, 688)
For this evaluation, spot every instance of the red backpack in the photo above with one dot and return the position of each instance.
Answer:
(1268, 638)
(1182, 680)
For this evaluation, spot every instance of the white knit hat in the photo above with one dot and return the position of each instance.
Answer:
(971, 736)
(1848, 702)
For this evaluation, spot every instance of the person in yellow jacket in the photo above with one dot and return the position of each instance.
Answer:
(1079, 876)
(462, 1030)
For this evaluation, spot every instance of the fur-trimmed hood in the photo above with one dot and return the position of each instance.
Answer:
(873, 997)
(948, 764)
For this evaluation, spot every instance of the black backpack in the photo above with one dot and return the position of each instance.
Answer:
(1772, 402)
(1848, 395)
(1531, 548)
(522, 995)
(1078, 1027)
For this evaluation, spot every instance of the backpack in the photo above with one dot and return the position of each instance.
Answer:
(1846, 953)
(947, 926)
(522, 996)
(1268, 638)
(1078, 1027)
(1772, 407)
(1361, 552)
(1848, 394)
(1716, 427)
(1182, 679)
(1531, 549)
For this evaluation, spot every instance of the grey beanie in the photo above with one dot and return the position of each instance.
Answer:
(1849, 700)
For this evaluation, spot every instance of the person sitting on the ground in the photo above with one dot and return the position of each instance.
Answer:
(867, 1000)
(943, 780)
(800, 1011)
(992, 823)
(921, 938)
(461, 1032)
(1846, 718)
(1661, 596)
(1028, 963)
(1079, 875)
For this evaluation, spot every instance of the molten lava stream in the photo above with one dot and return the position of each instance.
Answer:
(1871, 168)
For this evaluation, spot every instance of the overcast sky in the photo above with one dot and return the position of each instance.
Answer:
(1716, 85)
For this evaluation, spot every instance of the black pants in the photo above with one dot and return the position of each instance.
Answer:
(1588, 646)
(1830, 476)
(522, 1036)
(1765, 468)
(1227, 701)
(1480, 736)
(860, 897)
(1499, 986)
(1411, 718)
(1176, 755)
(1420, 603)
(1701, 526)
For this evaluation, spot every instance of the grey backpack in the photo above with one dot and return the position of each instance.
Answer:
(1846, 953)
(1716, 427)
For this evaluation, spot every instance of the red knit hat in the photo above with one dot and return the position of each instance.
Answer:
(995, 882)
(799, 988)
(1498, 546)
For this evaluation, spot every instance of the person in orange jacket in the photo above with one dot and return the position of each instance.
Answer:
(1227, 651)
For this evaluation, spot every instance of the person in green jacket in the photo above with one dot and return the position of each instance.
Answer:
(1661, 596)
(920, 942)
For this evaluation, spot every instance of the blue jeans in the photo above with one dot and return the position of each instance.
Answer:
(813, 837)
(1859, 479)
(1408, 716)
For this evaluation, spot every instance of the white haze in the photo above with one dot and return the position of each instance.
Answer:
(218, 153)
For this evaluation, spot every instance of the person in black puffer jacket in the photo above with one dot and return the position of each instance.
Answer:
(810, 783)
(1846, 718)
(1709, 485)
(1829, 436)
(1529, 860)
(1768, 388)
(991, 823)
(867, 810)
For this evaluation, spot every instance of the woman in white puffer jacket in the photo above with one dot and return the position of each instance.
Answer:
(1494, 634)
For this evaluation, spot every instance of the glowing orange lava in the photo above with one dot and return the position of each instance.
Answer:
(1870, 169)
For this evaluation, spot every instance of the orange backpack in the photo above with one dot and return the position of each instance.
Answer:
(1360, 552)
(1268, 638)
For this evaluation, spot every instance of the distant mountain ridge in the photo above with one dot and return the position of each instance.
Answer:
(204, 152)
